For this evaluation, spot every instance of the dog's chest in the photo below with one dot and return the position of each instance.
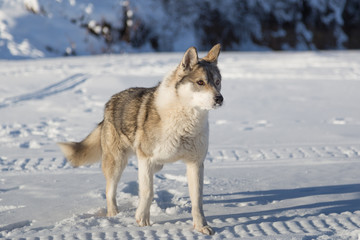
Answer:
(181, 134)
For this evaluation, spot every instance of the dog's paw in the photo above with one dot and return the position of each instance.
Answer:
(207, 230)
(142, 218)
(143, 222)
(112, 213)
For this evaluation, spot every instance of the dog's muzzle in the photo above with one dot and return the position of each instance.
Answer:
(219, 100)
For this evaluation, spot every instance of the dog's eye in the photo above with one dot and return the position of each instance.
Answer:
(200, 83)
(217, 82)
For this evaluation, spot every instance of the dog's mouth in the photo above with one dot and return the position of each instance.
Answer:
(216, 106)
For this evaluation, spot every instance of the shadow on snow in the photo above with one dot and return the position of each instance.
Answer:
(268, 197)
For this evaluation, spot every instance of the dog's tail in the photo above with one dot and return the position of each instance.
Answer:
(86, 152)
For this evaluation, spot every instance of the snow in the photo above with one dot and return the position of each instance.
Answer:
(283, 161)
(38, 28)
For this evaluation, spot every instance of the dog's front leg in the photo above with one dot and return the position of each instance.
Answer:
(146, 192)
(195, 174)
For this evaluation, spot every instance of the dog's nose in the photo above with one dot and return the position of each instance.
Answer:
(219, 99)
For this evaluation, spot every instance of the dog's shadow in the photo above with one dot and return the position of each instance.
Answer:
(130, 189)
(273, 212)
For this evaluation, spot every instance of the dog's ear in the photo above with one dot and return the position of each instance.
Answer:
(190, 59)
(213, 54)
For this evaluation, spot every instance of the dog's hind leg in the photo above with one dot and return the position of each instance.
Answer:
(112, 168)
(114, 160)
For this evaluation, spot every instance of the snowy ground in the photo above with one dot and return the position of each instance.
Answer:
(283, 163)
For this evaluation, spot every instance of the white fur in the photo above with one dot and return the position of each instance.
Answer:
(180, 119)
(203, 99)
(166, 95)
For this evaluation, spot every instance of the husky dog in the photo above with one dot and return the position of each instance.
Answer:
(160, 125)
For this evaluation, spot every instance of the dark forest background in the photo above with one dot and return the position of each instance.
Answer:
(242, 24)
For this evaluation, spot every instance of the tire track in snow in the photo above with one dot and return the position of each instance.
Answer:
(312, 154)
(61, 86)
(34, 164)
(310, 226)
(226, 228)
(313, 226)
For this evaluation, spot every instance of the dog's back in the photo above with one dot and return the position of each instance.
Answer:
(130, 109)
(124, 113)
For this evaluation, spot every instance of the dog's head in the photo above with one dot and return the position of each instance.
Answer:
(199, 80)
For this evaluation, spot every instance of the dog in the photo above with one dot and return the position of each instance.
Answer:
(163, 124)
